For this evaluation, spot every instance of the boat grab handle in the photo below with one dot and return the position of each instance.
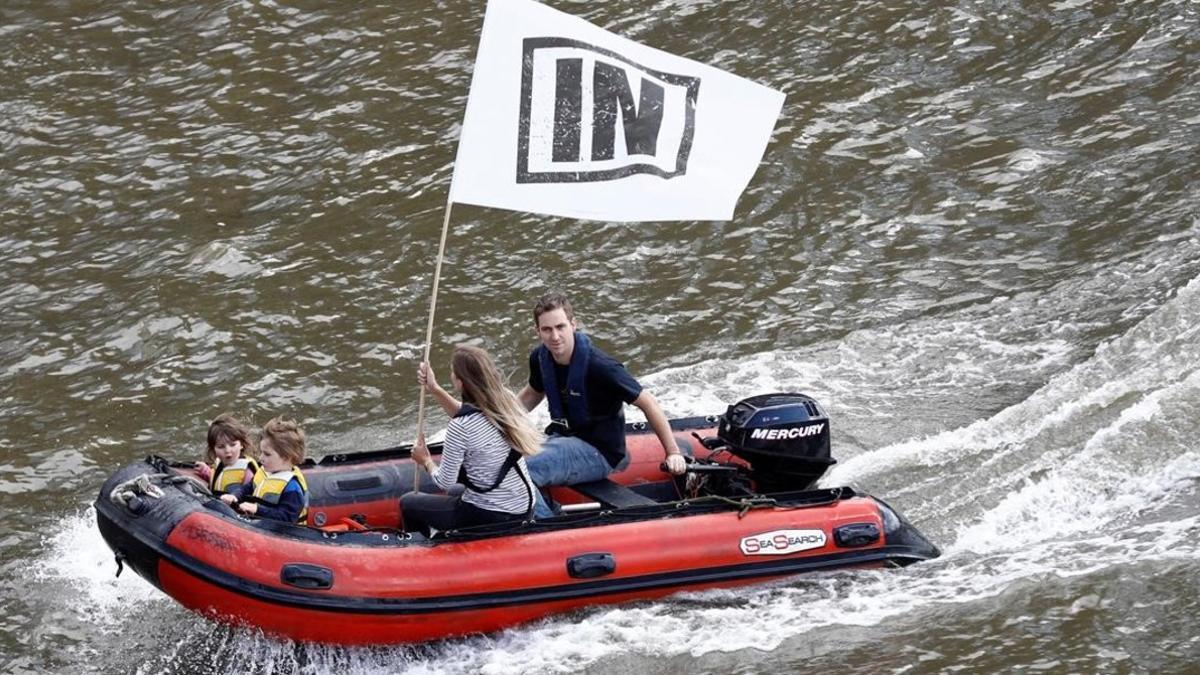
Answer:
(311, 577)
(591, 565)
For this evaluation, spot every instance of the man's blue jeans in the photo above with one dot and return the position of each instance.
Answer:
(565, 460)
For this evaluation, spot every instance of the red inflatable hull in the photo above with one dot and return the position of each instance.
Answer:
(384, 586)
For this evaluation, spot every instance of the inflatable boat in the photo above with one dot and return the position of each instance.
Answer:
(745, 512)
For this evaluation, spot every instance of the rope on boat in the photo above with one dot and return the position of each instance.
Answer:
(744, 504)
(129, 493)
(165, 467)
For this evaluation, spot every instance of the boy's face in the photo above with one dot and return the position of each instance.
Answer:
(271, 460)
(557, 333)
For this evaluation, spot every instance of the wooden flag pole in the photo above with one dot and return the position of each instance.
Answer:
(437, 275)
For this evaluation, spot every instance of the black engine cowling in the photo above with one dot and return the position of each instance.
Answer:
(784, 436)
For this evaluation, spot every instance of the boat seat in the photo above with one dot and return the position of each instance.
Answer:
(612, 494)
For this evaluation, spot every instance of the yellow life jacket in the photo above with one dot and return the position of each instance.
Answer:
(224, 477)
(272, 485)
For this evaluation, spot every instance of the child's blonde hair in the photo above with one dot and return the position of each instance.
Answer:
(287, 438)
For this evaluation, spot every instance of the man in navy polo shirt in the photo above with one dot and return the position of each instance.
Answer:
(586, 390)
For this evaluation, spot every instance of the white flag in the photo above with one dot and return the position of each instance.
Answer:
(568, 119)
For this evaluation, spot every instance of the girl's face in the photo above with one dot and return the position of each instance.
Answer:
(272, 461)
(227, 450)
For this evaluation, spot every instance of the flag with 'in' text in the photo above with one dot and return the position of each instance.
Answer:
(567, 119)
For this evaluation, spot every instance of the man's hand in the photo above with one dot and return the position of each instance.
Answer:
(676, 464)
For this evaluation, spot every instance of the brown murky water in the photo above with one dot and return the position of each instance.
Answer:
(974, 236)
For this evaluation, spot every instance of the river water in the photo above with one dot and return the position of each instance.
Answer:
(974, 236)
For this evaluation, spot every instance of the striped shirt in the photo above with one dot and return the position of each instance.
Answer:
(472, 441)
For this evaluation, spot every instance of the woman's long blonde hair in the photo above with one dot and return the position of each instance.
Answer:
(483, 388)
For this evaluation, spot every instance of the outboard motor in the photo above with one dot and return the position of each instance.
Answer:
(784, 436)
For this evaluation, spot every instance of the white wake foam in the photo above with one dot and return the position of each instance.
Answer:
(78, 562)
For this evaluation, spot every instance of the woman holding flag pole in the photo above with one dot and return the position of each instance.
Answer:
(568, 119)
(488, 439)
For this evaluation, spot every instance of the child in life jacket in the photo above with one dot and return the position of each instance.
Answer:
(283, 493)
(229, 460)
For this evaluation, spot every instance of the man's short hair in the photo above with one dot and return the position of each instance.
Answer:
(550, 302)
